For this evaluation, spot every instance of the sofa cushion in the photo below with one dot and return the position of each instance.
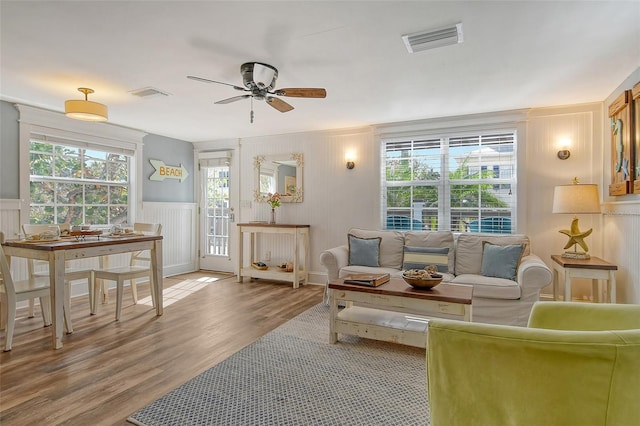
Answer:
(468, 259)
(490, 287)
(390, 246)
(421, 257)
(432, 239)
(501, 261)
(364, 251)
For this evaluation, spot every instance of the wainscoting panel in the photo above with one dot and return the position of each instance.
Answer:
(622, 245)
(179, 229)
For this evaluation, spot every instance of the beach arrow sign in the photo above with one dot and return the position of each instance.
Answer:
(167, 172)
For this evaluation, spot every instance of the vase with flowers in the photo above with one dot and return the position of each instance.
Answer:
(274, 201)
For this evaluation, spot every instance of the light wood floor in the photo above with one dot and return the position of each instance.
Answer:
(108, 370)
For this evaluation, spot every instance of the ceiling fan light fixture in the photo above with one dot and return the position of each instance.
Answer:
(258, 75)
(431, 39)
(85, 110)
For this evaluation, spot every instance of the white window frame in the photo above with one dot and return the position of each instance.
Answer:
(514, 120)
(58, 127)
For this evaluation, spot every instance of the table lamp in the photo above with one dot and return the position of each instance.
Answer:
(575, 199)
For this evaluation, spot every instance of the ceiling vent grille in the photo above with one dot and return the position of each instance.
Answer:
(148, 92)
(425, 40)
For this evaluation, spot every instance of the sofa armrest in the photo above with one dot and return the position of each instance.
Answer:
(533, 273)
(584, 316)
(333, 260)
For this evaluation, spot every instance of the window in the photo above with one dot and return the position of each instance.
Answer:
(463, 183)
(77, 171)
(75, 185)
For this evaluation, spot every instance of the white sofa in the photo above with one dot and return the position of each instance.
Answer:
(495, 300)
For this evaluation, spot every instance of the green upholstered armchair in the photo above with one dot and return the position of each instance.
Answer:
(575, 364)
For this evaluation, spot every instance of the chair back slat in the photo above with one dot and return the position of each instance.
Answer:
(147, 228)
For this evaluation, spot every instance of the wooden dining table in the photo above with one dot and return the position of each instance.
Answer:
(56, 253)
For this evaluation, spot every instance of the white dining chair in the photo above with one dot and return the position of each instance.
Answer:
(129, 273)
(70, 273)
(12, 292)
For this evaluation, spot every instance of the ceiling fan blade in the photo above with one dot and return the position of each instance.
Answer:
(206, 80)
(235, 98)
(279, 104)
(299, 92)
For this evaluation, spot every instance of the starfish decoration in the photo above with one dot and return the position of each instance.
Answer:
(575, 236)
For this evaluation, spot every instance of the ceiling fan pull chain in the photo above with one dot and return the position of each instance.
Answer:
(251, 115)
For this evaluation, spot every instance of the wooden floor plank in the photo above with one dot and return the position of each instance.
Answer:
(108, 370)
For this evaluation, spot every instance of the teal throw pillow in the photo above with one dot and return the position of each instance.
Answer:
(364, 251)
(501, 261)
(421, 257)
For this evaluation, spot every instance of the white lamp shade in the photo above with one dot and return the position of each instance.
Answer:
(576, 198)
(85, 110)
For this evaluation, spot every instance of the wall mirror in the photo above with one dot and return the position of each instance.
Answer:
(278, 173)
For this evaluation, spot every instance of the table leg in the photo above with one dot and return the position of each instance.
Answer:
(556, 284)
(296, 259)
(306, 256)
(240, 254)
(101, 285)
(156, 272)
(56, 278)
(612, 285)
(468, 313)
(567, 285)
(333, 315)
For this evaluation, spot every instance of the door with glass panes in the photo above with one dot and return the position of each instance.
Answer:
(216, 215)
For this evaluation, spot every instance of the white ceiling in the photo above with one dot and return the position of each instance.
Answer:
(516, 54)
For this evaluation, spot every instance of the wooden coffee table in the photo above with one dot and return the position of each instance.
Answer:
(396, 312)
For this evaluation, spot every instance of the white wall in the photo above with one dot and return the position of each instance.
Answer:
(621, 241)
(336, 199)
(546, 127)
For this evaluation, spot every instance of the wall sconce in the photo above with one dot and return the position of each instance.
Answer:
(564, 152)
(349, 157)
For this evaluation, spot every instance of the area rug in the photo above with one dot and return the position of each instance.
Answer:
(293, 376)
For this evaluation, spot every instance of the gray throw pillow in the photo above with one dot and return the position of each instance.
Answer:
(501, 261)
(421, 257)
(364, 251)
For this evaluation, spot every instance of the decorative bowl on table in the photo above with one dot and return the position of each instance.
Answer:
(422, 279)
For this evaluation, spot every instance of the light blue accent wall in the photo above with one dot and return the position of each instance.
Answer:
(172, 152)
(9, 143)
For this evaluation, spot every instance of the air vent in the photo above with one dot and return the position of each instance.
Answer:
(425, 40)
(148, 92)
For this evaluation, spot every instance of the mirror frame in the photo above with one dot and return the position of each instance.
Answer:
(257, 163)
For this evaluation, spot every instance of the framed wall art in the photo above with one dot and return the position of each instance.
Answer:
(622, 160)
(635, 97)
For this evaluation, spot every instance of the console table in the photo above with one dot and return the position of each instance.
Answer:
(300, 235)
(594, 269)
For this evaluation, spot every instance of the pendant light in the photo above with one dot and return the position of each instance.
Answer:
(85, 109)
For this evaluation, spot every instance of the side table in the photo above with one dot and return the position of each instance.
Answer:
(594, 269)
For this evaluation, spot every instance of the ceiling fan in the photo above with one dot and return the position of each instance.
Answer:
(259, 82)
